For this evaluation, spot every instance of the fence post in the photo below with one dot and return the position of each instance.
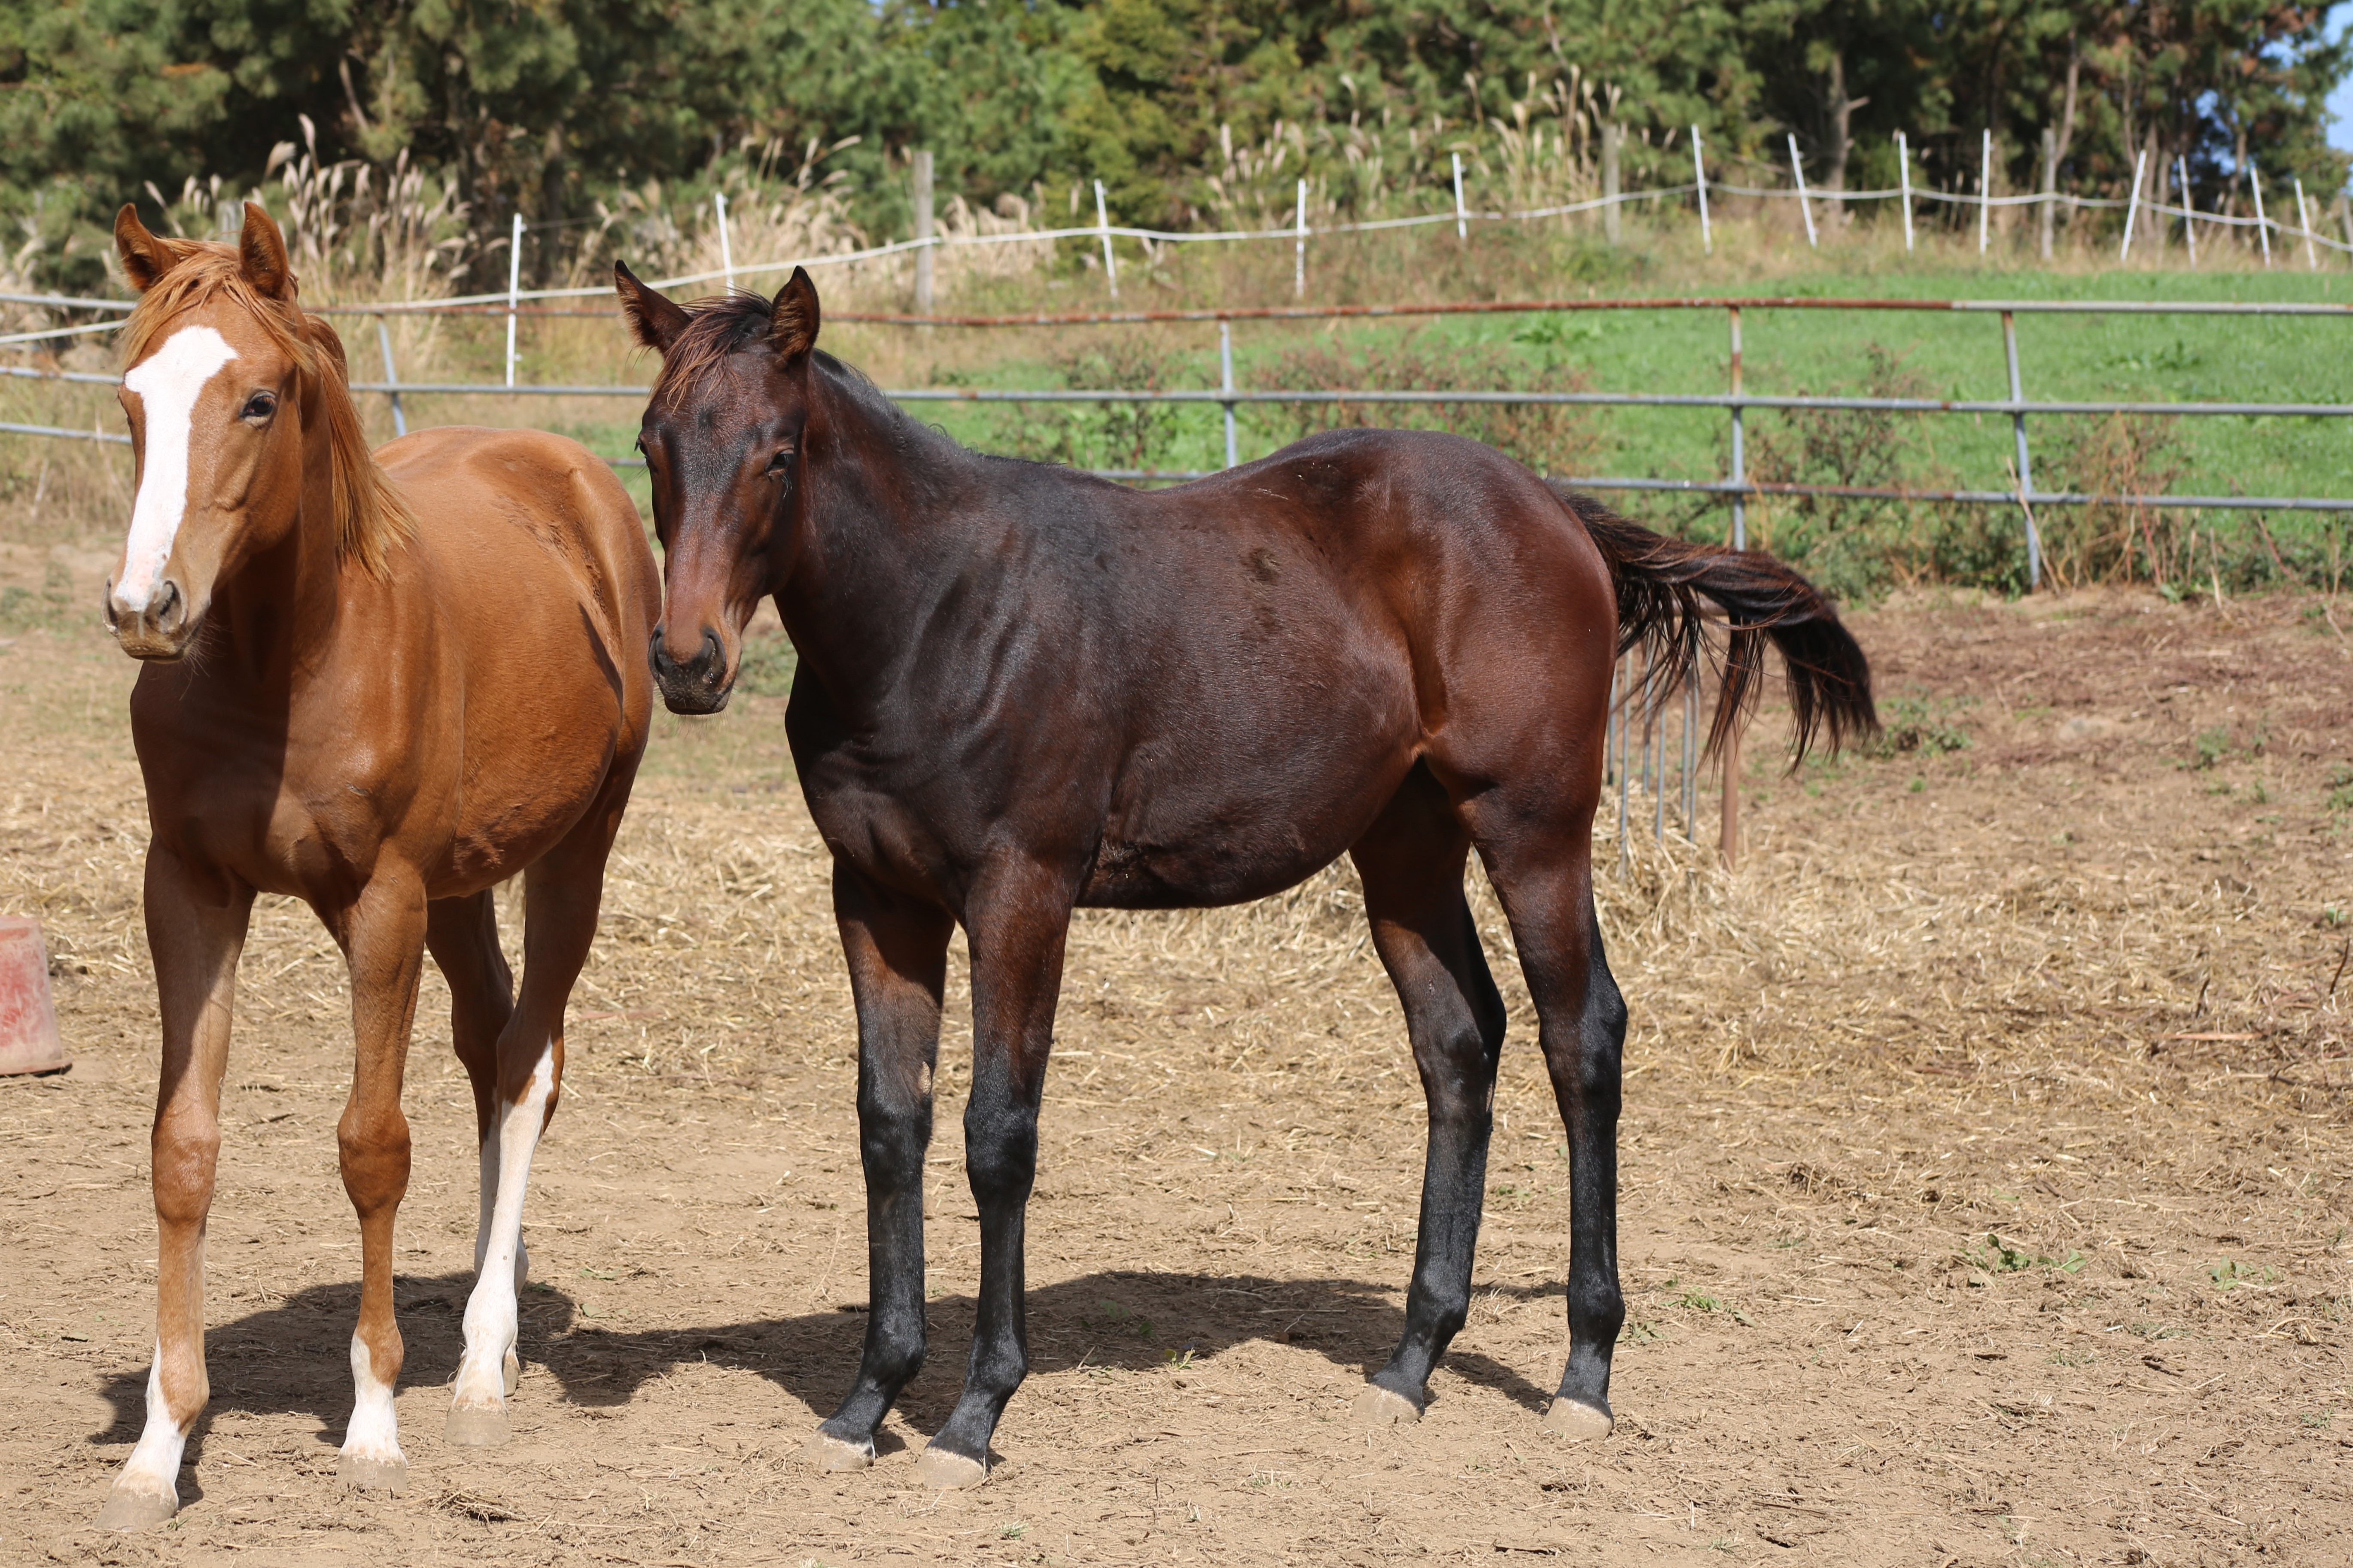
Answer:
(1699, 176)
(1689, 800)
(1226, 383)
(921, 172)
(1625, 710)
(2188, 209)
(1103, 227)
(1904, 178)
(1611, 135)
(726, 246)
(391, 376)
(2132, 207)
(1798, 170)
(1728, 823)
(1985, 194)
(1298, 253)
(515, 288)
(2050, 203)
(2304, 221)
(1739, 454)
(2025, 471)
(1461, 220)
(2263, 224)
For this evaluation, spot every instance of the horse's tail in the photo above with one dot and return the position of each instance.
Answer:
(1660, 582)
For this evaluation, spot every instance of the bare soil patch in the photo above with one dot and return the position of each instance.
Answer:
(1985, 1193)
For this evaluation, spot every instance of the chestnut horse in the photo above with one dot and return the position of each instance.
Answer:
(1022, 689)
(382, 689)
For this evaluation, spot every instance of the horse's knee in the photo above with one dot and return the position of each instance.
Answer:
(1000, 1152)
(186, 1153)
(1605, 1004)
(374, 1157)
(892, 1137)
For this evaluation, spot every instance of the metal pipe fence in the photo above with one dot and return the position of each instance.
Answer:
(1635, 766)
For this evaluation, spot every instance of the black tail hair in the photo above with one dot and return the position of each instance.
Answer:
(1660, 582)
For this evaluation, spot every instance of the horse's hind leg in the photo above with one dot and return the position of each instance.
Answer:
(463, 937)
(562, 892)
(1543, 872)
(1411, 862)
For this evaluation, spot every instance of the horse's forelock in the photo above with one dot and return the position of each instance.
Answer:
(369, 515)
(714, 328)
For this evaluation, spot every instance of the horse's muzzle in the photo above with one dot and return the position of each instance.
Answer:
(162, 628)
(696, 684)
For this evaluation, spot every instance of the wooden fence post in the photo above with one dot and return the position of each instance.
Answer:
(921, 162)
(2050, 187)
(1612, 135)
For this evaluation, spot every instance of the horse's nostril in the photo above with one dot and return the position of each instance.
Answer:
(106, 607)
(715, 659)
(167, 615)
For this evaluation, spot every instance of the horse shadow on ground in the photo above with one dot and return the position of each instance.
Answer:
(295, 1356)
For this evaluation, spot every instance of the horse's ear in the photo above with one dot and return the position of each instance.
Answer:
(793, 328)
(261, 256)
(655, 318)
(146, 255)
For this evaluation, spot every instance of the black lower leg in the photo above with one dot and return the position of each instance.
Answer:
(1586, 1080)
(1001, 1162)
(892, 1145)
(1458, 1034)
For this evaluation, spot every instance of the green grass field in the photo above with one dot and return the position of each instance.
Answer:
(1856, 547)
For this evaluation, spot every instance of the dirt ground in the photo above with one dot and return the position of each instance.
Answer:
(1984, 1200)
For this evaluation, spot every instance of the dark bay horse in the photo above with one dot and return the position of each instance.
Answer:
(382, 689)
(1022, 689)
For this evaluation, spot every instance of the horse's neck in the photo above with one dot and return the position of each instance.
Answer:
(880, 526)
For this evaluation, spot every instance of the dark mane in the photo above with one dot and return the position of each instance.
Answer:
(725, 323)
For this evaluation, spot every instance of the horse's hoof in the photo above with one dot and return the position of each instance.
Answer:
(369, 1475)
(127, 1508)
(477, 1425)
(827, 1452)
(1378, 1406)
(947, 1470)
(1577, 1421)
(513, 1373)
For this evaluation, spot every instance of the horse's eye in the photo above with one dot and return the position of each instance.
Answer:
(259, 406)
(779, 463)
(640, 444)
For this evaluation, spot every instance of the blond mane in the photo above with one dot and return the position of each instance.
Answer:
(369, 515)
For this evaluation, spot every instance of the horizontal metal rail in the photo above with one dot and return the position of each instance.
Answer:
(60, 432)
(1357, 313)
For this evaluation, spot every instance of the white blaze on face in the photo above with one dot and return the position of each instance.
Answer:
(168, 383)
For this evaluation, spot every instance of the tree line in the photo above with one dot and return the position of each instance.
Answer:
(1190, 111)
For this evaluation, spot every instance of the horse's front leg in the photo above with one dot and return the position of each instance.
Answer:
(382, 933)
(196, 920)
(897, 949)
(1017, 921)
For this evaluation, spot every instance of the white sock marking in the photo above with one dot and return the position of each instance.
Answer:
(154, 1467)
(490, 1316)
(488, 1158)
(373, 1433)
(168, 383)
